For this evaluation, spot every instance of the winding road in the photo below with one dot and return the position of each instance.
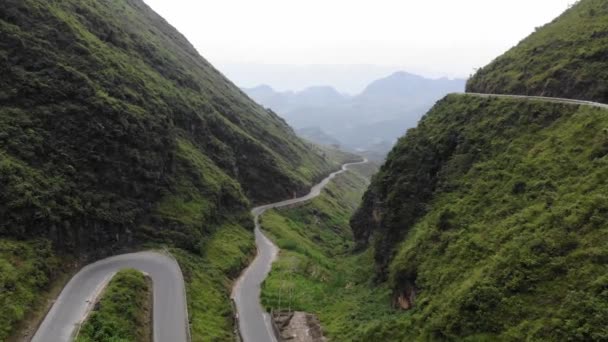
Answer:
(539, 98)
(254, 322)
(78, 297)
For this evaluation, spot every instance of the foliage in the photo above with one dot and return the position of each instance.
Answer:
(209, 274)
(209, 277)
(120, 314)
(26, 267)
(316, 271)
(565, 58)
(508, 241)
(114, 131)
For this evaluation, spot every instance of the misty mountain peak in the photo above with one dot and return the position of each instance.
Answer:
(404, 75)
(263, 87)
(402, 84)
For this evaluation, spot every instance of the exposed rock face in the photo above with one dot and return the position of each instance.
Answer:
(299, 327)
(405, 300)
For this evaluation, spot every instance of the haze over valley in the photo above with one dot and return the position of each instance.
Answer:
(369, 122)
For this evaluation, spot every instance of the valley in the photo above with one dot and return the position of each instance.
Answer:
(254, 322)
(367, 123)
(316, 271)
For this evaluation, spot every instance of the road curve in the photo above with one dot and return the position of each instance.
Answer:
(254, 322)
(541, 98)
(170, 310)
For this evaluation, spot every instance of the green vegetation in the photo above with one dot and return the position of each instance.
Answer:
(124, 311)
(316, 270)
(210, 273)
(337, 156)
(115, 133)
(565, 58)
(366, 170)
(209, 277)
(490, 217)
(26, 267)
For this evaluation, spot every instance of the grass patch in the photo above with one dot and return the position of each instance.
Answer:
(123, 312)
(209, 278)
(27, 269)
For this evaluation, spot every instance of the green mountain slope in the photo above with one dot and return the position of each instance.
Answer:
(565, 58)
(490, 219)
(113, 130)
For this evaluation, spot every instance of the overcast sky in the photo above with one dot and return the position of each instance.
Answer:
(431, 37)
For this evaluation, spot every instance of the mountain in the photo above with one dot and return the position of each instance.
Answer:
(285, 102)
(351, 79)
(565, 58)
(317, 135)
(402, 87)
(487, 221)
(262, 93)
(370, 121)
(110, 118)
(115, 133)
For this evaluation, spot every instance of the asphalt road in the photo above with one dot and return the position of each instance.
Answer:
(541, 98)
(76, 299)
(254, 322)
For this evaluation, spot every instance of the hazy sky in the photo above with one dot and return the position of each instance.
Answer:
(432, 37)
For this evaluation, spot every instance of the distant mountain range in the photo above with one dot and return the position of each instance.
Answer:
(370, 121)
(350, 79)
(289, 101)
